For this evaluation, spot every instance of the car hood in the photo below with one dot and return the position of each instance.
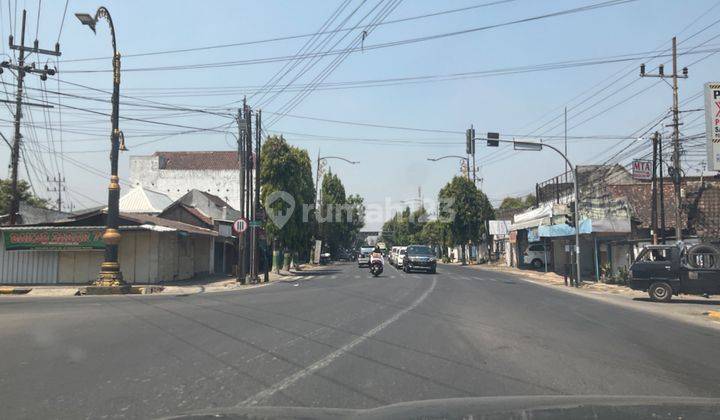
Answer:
(520, 407)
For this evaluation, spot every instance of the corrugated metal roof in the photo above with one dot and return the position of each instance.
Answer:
(141, 200)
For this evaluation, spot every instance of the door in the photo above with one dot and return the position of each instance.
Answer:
(654, 264)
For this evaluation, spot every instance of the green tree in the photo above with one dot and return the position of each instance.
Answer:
(405, 228)
(340, 217)
(517, 202)
(25, 195)
(287, 168)
(331, 228)
(464, 209)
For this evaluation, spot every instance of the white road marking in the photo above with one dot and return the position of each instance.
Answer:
(333, 277)
(325, 361)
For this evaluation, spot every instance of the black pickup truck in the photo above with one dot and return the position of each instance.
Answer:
(666, 270)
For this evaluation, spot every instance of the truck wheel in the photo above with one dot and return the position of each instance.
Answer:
(537, 263)
(660, 292)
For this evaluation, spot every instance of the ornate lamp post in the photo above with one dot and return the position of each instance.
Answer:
(110, 274)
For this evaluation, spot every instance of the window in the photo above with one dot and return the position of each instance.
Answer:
(654, 255)
(536, 247)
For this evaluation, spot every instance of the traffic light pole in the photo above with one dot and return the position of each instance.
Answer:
(531, 146)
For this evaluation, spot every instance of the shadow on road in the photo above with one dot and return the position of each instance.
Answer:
(675, 300)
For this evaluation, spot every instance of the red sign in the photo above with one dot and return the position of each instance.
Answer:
(240, 225)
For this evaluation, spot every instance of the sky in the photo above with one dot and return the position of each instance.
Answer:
(609, 106)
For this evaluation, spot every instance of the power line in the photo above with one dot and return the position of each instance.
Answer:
(291, 37)
(604, 4)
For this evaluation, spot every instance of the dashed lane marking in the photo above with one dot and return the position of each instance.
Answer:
(325, 361)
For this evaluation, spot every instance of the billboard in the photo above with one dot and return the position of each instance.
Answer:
(712, 121)
(642, 169)
(49, 239)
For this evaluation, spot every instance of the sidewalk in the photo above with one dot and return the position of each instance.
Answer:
(688, 307)
(207, 284)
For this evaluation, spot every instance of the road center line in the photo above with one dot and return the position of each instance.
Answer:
(279, 386)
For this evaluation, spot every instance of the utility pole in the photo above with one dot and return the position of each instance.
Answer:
(248, 185)
(21, 69)
(256, 200)
(662, 189)
(241, 163)
(472, 133)
(566, 165)
(59, 189)
(676, 170)
(654, 212)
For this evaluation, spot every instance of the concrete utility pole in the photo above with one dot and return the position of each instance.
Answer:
(676, 170)
(654, 210)
(240, 275)
(256, 201)
(248, 185)
(21, 69)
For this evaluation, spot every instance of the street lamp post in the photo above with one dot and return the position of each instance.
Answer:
(532, 146)
(320, 162)
(465, 158)
(110, 275)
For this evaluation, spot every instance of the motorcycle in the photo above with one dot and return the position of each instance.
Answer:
(376, 264)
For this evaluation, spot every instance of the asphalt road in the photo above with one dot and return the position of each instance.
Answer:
(340, 339)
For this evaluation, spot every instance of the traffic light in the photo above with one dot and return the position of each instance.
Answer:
(470, 141)
(493, 139)
(570, 215)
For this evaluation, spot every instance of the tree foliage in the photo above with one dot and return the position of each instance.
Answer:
(465, 210)
(287, 168)
(340, 217)
(25, 195)
(517, 203)
(405, 228)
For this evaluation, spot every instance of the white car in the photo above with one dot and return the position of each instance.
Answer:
(535, 255)
(399, 256)
(364, 255)
(392, 255)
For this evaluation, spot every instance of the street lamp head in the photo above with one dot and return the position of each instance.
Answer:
(87, 19)
(432, 160)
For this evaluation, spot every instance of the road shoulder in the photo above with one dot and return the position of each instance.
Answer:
(691, 309)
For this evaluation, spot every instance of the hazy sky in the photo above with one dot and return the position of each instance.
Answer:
(605, 100)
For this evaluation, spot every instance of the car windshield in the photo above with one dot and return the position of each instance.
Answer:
(420, 250)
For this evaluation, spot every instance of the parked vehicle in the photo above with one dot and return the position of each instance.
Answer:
(363, 258)
(419, 257)
(324, 258)
(399, 256)
(376, 263)
(535, 255)
(392, 256)
(666, 270)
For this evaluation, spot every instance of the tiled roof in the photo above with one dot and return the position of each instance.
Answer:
(215, 160)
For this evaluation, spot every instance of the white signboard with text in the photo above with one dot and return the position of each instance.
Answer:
(642, 169)
(712, 119)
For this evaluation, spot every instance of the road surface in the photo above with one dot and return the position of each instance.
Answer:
(339, 338)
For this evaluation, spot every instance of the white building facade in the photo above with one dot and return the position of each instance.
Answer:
(176, 173)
